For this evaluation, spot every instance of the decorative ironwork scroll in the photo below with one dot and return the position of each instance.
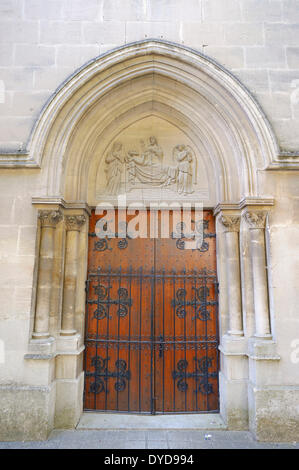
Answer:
(102, 374)
(199, 302)
(103, 301)
(201, 375)
(200, 229)
(102, 244)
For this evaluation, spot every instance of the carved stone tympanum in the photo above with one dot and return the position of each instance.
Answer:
(146, 168)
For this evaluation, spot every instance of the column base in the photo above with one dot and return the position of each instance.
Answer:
(260, 348)
(39, 348)
(68, 332)
(41, 336)
(70, 344)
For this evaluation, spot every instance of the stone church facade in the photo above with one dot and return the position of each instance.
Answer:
(211, 88)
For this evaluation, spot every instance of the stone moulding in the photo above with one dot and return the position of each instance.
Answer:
(190, 65)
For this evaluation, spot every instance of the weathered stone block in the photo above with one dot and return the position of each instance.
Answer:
(290, 10)
(293, 57)
(267, 421)
(276, 106)
(26, 240)
(50, 79)
(159, 30)
(286, 133)
(34, 55)
(19, 31)
(8, 240)
(26, 413)
(69, 402)
(261, 56)
(280, 33)
(228, 56)
(60, 32)
(26, 103)
(16, 270)
(257, 10)
(6, 54)
(195, 34)
(124, 10)
(256, 80)
(284, 80)
(244, 34)
(15, 129)
(11, 9)
(76, 56)
(37, 10)
(17, 78)
(233, 403)
(175, 10)
(106, 32)
(226, 10)
(81, 11)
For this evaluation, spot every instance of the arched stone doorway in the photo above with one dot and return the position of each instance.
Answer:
(178, 95)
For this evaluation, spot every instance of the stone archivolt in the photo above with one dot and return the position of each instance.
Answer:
(152, 78)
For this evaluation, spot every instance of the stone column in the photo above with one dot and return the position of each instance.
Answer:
(48, 219)
(256, 221)
(232, 228)
(73, 227)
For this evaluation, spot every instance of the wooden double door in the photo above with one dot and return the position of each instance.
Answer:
(151, 323)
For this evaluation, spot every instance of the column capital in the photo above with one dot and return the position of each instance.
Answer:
(256, 219)
(74, 222)
(231, 222)
(49, 218)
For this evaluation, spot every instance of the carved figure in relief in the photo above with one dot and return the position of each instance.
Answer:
(184, 156)
(147, 166)
(114, 164)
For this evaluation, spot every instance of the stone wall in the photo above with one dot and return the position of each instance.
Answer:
(43, 41)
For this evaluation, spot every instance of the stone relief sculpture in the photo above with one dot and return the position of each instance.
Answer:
(146, 168)
(114, 165)
(185, 158)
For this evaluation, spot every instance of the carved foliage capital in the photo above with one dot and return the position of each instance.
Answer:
(256, 220)
(74, 222)
(49, 218)
(231, 222)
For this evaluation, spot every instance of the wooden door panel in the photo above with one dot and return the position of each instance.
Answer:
(151, 328)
